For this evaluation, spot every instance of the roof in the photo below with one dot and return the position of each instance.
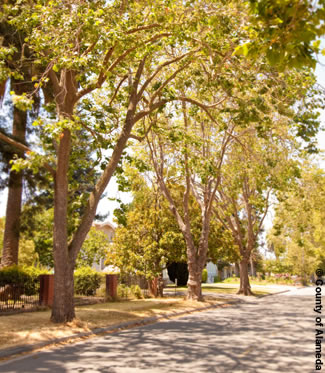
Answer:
(104, 224)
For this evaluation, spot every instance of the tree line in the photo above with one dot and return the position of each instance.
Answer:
(211, 97)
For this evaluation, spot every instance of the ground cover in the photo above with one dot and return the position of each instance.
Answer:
(228, 288)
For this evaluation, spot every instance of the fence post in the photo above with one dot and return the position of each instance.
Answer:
(153, 286)
(111, 286)
(46, 290)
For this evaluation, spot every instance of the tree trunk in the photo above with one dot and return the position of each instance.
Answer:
(245, 287)
(63, 301)
(160, 285)
(153, 287)
(253, 269)
(63, 306)
(15, 189)
(194, 290)
(237, 270)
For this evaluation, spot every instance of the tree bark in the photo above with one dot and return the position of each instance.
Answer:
(245, 287)
(14, 202)
(160, 285)
(194, 290)
(252, 265)
(196, 260)
(63, 306)
(63, 301)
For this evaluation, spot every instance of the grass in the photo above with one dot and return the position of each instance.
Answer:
(228, 288)
(33, 327)
(266, 281)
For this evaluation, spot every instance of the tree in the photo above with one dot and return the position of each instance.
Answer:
(17, 72)
(255, 168)
(82, 49)
(192, 153)
(297, 237)
(287, 32)
(147, 238)
(94, 248)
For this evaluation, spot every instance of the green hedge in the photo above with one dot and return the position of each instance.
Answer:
(22, 276)
(86, 281)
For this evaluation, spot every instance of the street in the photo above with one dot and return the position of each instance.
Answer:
(260, 335)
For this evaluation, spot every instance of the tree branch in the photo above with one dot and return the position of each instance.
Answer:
(24, 149)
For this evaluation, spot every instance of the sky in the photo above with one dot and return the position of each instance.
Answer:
(107, 206)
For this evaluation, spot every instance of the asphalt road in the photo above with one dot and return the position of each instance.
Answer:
(271, 334)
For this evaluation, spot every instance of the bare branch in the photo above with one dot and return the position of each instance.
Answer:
(153, 107)
(159, 68)
(101, 77)
(137, 29)
(118, 88)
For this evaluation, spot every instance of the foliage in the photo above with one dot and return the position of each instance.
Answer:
(298, 237)
(136, 291)
(276, 266)
(27, 255)
(93, 249)
(217, 279)
(148, 237)
(118, 71)
(204, 275)
(123, 291)
(287, 31)
(87, 281)
(27, 277)
(37, 225)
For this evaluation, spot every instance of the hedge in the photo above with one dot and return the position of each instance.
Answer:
(86, 281)
(27, 277)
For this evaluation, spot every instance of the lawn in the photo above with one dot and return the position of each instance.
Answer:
(226, 288)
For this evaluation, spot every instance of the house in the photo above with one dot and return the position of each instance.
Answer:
(109, 229)
(223, 273)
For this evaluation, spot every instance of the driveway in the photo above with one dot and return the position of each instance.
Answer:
(270, 334)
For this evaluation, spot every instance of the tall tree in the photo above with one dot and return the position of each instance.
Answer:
(256, 168)
(84, 49)
(192, 153)
(16, 71)
(298, 237)
(148, 237)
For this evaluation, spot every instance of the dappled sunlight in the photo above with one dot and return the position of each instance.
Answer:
(254, 336)
(35, 327)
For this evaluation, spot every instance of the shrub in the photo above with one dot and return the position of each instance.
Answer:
(204, 275)
(86, 281)
(136, 291)
(123, 291)
(26, 277)
(217, 279)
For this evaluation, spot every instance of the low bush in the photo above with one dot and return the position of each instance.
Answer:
(216, 279)
(26, 277)
(86, 281)
(123, 291)
(205, 275)
(136, 291)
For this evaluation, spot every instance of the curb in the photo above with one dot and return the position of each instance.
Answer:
(13, 351)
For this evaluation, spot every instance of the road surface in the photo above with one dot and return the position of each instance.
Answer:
(270, 334)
